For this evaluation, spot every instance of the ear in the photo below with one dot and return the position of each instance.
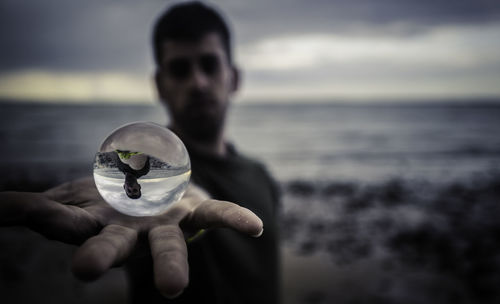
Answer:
(236, 78)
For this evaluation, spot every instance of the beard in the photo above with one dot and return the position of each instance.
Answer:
(202, 118)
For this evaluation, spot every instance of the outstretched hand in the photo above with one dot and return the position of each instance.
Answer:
(75, 213)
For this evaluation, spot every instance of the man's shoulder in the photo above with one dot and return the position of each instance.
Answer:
(262, 172)
(250, 161)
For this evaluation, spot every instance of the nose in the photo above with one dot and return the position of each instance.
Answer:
(198, 79)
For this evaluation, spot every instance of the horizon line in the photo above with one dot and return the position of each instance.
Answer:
(469, 100)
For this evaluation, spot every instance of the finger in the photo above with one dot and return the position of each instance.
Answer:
(109, 248)
(67, 224)
(79, 190)
(213, 213)
(169, 252)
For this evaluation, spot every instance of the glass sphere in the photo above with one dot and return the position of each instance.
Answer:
(141, 169)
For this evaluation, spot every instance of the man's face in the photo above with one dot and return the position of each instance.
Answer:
(196, 80)
(132, 189)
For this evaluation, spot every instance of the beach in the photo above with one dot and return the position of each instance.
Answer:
(380, 203)
(394, 242)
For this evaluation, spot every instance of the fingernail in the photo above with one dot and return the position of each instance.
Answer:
(259, 234)
(175, 295)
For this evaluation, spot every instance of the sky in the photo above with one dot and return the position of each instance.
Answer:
(288, 50)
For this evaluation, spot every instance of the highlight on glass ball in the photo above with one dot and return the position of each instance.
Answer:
(141, 169)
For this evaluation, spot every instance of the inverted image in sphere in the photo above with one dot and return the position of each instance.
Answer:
(141, 169)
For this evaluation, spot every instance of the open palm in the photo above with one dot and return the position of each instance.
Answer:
(75, 213)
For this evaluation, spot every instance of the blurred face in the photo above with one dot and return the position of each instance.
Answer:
(196, 81)
(132, 187)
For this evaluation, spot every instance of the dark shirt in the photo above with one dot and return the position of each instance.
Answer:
(226, 266)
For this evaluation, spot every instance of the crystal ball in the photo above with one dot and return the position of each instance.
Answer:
(141, 169)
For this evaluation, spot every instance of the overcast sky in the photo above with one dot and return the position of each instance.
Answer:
(289, 50)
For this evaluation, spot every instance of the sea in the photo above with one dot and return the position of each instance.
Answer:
(381, 202)
(315, 142)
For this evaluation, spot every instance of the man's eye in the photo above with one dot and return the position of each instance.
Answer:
(179, 68)
(209, 64)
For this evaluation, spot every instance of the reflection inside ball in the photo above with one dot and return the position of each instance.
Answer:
(141, 169)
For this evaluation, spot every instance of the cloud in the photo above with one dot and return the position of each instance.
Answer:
(100, 50)
(448, 61)
(443, 47)
(98, 35)
(459, 61)
(70, 35)
(39, 85)
(260, 18)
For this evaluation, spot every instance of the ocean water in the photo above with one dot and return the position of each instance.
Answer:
(315, 142)
(369, 143)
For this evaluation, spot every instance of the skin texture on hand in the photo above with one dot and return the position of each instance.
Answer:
(75, 213)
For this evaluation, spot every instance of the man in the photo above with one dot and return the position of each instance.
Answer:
(133, 165)
(195, 79)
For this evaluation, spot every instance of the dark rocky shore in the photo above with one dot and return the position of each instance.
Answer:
(431, 243)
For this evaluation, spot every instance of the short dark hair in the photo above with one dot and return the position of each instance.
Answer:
(189, 22)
